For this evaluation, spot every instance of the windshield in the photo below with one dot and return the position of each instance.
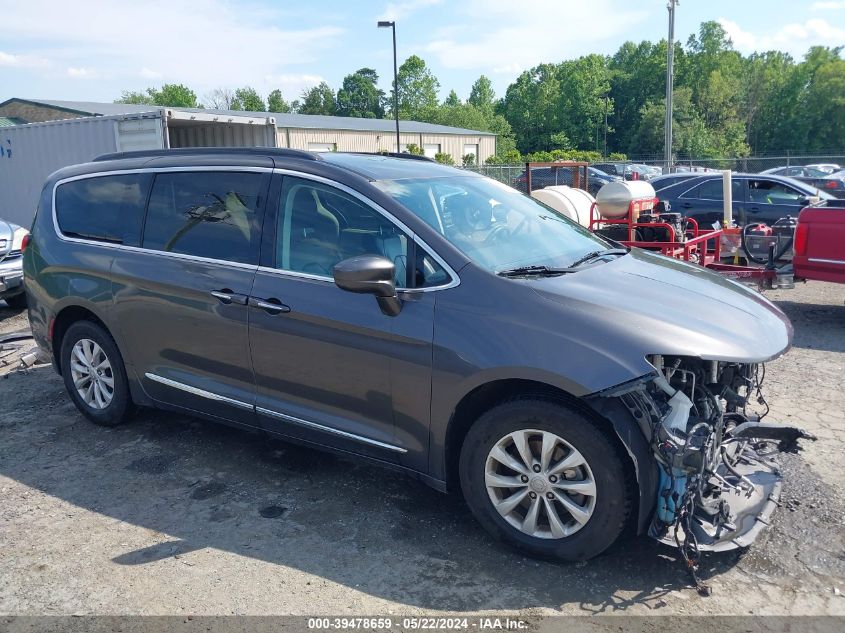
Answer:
(494, 225)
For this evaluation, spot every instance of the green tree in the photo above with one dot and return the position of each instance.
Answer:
(482, 95)
(277, 103)
(248, 99)
(360, 96)
(417, 89)
(174, 95)
(452, 101)
(318, 100)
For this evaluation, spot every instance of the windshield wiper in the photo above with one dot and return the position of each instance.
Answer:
(597, 254)
(534, 271)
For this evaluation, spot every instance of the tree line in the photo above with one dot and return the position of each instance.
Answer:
(725, 104)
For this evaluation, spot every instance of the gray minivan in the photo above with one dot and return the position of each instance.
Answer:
(421, 316)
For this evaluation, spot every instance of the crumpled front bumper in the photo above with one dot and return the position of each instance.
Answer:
(747, 513)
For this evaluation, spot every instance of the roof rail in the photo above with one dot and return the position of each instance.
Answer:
(250, 151)
(394, 155)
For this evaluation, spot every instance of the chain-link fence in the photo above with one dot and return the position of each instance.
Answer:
(514, 175)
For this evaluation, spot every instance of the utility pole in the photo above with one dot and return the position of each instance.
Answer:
(604, 155)
(670, 71)
(392, 24)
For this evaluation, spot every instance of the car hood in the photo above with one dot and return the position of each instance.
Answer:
(666, 306)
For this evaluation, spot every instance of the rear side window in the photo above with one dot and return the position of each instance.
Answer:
(104, 208)
(206, 214)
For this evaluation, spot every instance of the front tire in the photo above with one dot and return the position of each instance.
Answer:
(94, 374)
(544, 478)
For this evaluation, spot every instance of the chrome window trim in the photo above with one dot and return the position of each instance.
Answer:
(684, 194)
(454, 279)
(140, 249)
(328, 429)
(198, 392)
(818, 260)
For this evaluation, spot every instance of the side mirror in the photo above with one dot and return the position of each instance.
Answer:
(369, 274)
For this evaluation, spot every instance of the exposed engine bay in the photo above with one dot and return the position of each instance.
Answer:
(717, 482)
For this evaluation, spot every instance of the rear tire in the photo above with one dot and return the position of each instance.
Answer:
(94, 374)
(542, 477)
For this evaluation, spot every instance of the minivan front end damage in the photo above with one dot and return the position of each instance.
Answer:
(717, 483)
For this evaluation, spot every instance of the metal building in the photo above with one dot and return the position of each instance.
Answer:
(39, 136)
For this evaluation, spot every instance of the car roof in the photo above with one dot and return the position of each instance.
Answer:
(369, 166)
(695, 180)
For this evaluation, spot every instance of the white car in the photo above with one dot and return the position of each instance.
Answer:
(11, 264)
(828, 168)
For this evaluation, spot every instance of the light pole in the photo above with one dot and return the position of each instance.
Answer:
(383, 24)
(670, 61)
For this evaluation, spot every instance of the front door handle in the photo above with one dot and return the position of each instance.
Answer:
(271, 305)
(227, 297)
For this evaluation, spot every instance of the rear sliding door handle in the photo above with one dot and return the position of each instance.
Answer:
(227, 296)
(272, 305)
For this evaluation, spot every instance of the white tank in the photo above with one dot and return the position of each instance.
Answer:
(614, 198)
(573, 203)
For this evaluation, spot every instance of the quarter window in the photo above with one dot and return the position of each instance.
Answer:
(206, 214)
(105, 208)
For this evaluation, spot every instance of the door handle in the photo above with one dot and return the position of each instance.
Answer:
(686, 205)
(227, 296)
(271, 305)
(753, 208)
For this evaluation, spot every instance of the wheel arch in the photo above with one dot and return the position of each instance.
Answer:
(60, 324)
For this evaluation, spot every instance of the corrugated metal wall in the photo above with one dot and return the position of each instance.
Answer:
(219, 135)
(357, 141)
(32, 152)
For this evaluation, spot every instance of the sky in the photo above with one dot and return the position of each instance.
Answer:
(92, 50)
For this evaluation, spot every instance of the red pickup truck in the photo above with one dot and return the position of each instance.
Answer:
(820, 244)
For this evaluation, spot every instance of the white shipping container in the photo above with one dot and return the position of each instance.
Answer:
(31, 152)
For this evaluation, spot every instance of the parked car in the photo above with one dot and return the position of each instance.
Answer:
(626, 170)
(756, 198)
(11, 264)
(834, 184)
(542, 177)
(422, 316)
(661, 182)
(826, 167)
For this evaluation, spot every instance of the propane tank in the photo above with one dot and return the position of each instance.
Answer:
(573, 203)
(614, 199)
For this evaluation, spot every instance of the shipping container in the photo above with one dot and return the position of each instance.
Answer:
(31, 152)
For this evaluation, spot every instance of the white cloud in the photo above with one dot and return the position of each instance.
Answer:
(204, 44)
(794, 38)
(81, 73)
(497, 36)
(291, 85)
(400, 10)
(22, 61)
(825, 6)
(146, 73)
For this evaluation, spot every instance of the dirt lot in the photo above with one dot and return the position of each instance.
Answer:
(172, 515)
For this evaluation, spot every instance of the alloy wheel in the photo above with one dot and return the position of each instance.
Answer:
(540, 484)
(92, 374)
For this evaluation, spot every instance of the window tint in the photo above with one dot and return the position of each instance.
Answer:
(712, 190)
(206, 214)
(771, 192)
(319, 226)
(105, 208)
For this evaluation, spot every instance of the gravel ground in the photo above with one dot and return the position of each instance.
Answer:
(173, 515)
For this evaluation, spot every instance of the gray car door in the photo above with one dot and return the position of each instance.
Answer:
(181, 299)
(330, 367)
